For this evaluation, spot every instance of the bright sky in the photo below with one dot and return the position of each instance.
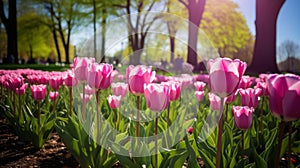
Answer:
(288, 23)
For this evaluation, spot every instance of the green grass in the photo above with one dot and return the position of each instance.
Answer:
(50, 67)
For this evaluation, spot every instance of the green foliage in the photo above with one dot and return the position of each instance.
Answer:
(226, 27)
(33, 37)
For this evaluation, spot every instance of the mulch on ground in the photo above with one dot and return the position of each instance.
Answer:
(15, 153)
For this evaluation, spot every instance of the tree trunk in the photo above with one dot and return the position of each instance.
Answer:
(30, 52)
(192, 41)
(103, 33)
(95, 29)
(10, 25)
(196, 9)
(172, 48)
(67, 45)
(56, 44)
(55, 35)
(264, 58)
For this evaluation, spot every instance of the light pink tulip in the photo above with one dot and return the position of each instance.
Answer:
(86, 97)
(242, 116)
(81, 65)
(106, 70)
(250, 96)
(70, 80)
(199, 95)
(225, 75)
(215, 101)
(38, 91)
(157, 96)
(53, 96)
(99, 75)
(174, 88)
(114, 101)
(199, 86)
(137, 77)
(284, 96)
(119, 88)
(245, 82)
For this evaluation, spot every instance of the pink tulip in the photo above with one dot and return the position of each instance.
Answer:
(137, 77)
(199, 85)
(55, 82)
(86, 97)
(245, 82)
(81, 65)
(231, 98)
(119, 89)
(215, 101)
(263, 77)
(174, 88)
(22, 89)
(225, 75)
(199, 95)
(43, 79)
(88, 90)
(284, 96)
(70, 80)
(94, 75)
(15, 81)
(128, 70)
(250, 96)
(114, 101)
(38, 91)
(263, 87)
(99, 75)
(53, 95)
(242, 116)
(185, 80)
(106, 70)
(202, 77)
(121, 77)
(157, 96)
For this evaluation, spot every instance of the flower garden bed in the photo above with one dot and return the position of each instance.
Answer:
(138, 118)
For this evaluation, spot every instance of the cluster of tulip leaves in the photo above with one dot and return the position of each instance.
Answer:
(25, 122)
(260, 144)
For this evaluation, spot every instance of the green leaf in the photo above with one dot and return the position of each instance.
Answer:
(259, 161)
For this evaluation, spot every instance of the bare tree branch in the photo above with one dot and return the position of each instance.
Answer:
(184, 3)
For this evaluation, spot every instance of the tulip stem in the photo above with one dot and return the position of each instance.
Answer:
(70, 90)
(54, 105)
(290, 143)
(226, 111)
(20, 110)
(138, 117)
(98, 115)
(219, 144)
(168, 119)
(281, 132)
(83, 102)
(119, 118)
(14, 99)
(156, 131)
(242, 143)
(261, 114)
(39, 116)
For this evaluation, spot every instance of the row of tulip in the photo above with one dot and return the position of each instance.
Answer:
(103, 96)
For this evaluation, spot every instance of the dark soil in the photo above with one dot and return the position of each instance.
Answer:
(15, 153)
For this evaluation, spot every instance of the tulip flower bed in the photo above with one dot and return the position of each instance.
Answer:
(140, 118)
